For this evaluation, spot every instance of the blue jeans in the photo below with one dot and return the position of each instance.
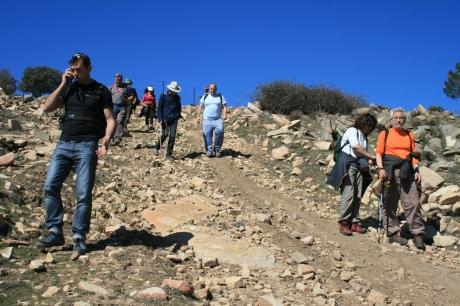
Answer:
(68, 155)
(213, 132)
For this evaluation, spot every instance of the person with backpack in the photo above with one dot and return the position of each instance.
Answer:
(149, 107)
(351, 172)
(88, 118)
(213, 107)
(119, 107)
(131, 99)
(168, 114)
(399, 169)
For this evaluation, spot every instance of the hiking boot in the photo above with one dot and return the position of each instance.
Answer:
(344, 228)
(170, 157)
(396, 238)
(79, 248)
(418, 242)
(151, 128)
(156, 152)
(51, 240)
(116, 141)
(218, 154)
(209, 154)
(357, 228)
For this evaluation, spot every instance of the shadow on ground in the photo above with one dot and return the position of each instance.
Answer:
(123, 237)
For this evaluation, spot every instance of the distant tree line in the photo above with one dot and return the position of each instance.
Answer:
(35, 80)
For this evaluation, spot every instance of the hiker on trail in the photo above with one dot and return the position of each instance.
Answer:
(168, 114)
(149, 107)
(131, 99)
(351, 172)
(119, 107)
(88, 118)
(213, 107)
(398, 168)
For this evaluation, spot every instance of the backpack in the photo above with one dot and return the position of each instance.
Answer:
(336, 146)
(206, 95)
(99, 116)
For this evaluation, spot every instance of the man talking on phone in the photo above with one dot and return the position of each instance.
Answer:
(88, 118)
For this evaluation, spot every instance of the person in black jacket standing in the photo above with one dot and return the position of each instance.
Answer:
(88, 118)
(168, 114)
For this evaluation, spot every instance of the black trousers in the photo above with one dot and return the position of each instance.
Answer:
(168, 130)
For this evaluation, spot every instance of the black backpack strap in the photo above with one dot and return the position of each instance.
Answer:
(385, 141)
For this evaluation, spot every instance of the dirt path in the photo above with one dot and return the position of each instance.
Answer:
(391, 270)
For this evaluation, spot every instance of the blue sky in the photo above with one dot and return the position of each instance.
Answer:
(395, 53)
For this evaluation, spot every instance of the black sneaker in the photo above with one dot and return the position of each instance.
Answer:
(170, 158)
(51, 240)
(396, 238)
(79, 248)
(218, 154)
(419, 243)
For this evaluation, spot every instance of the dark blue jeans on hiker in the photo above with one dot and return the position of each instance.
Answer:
(69, 155)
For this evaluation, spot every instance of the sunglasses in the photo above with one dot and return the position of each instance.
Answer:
(83, 56)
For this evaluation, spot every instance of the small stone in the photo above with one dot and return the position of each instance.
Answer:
(301, 287)
(308, 240)
(337, 255)
(296, 171)
(14, 125)
(444, 241)
(50, 292)
(268, 300)
(233, 282)
(260, 217)
(37, 265)
(299, 258)
(303, 269)
(210, 262)
(154, 293)
(49, 258)
(346, 276)
(181, 285)
(90, 287)
(197, 182)
(376, 297)
(7, 159)
(280, 153)
(7, 252)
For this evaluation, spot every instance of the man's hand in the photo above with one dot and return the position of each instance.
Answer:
(66, 76)
(383, 174)
(102, 150)
(418, 178)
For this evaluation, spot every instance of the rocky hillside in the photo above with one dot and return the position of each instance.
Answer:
(256, 227)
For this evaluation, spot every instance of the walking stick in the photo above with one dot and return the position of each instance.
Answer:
(380, 213)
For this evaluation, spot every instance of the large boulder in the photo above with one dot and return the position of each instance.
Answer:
(430, 179)
(435, 196)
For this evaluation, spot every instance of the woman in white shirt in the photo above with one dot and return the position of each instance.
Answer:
(355, 176)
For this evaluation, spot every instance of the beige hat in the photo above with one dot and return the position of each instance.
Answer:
(173, 86)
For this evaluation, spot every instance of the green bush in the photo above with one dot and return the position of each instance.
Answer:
(284, 97)
(435, 108)
(40, 80)
(7, 82)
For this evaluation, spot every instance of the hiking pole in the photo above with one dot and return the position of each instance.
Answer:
(380, 212)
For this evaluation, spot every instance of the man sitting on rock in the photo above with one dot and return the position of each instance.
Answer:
(397, 167)
(88, 118)
(213, 106)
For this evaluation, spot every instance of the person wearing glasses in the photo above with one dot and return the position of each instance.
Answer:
(88, 119)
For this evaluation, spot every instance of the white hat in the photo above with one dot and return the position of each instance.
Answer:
(173, 86)
(150, 88)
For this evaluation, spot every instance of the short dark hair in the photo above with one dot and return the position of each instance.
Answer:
(80, 57)
(365, 119)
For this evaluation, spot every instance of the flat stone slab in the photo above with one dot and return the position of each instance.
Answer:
(229, 251)
(167, 217)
